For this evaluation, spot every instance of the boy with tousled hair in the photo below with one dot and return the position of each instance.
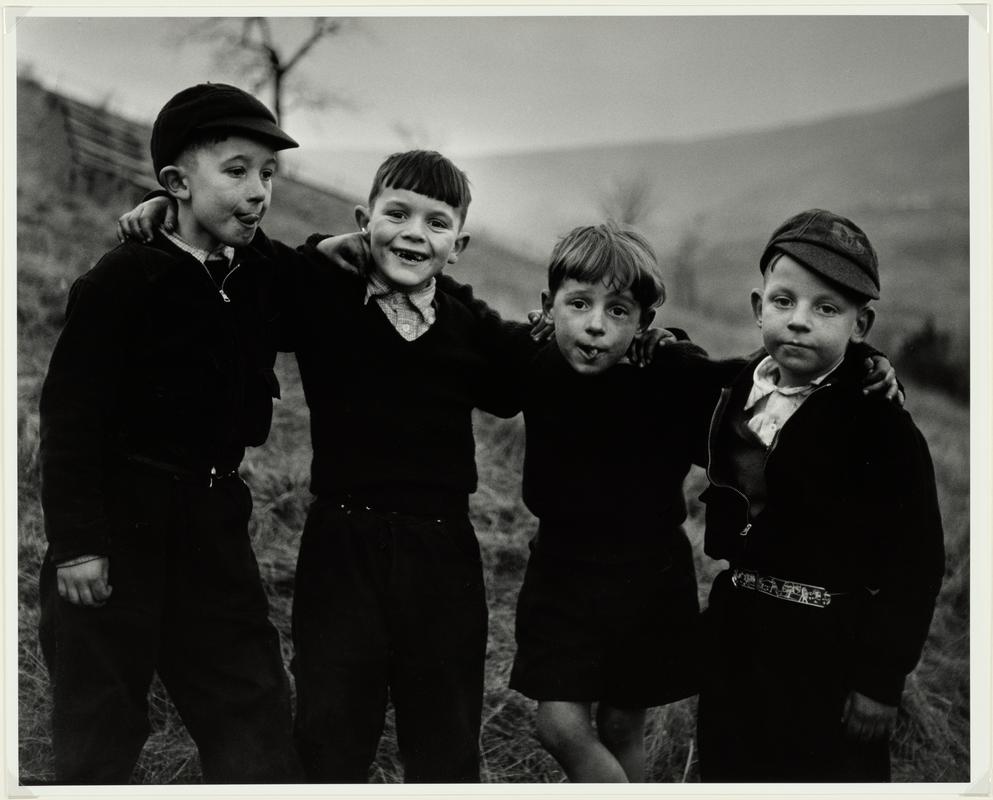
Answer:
(608, 609)
(160, 379)
(824, 504)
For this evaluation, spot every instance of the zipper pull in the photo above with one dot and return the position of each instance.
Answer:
(224, 296)
(744, 531)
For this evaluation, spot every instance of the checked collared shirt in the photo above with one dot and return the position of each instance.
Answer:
(411, 314)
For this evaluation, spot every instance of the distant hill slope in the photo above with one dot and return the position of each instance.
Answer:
(911, 157)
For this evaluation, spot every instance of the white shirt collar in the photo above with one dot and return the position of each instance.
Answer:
(765, 381)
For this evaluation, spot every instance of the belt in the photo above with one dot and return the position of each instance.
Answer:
(207, 476)
(793, 591)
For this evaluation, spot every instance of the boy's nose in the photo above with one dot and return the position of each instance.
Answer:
(800, 319)
(414, 230)
(594, 322)
(256, 190)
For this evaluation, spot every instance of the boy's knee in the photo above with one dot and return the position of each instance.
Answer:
(560, 729)
(618, 727)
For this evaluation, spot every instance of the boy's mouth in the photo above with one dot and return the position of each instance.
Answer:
(408, 255)
(249, 219)
(589, 351)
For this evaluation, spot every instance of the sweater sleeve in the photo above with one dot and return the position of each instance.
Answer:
(293, 268)
(507, 347)
(905, 560)
(685, 367)
(78, 401)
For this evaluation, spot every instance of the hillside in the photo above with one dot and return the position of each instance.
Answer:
(299, 208)
(62, 228)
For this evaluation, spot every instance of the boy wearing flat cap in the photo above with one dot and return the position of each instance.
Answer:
(160, 379)
(823, 502)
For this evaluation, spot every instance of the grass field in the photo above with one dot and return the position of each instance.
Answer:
(59, 236)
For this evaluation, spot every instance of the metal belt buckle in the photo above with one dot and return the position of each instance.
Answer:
(793, 591)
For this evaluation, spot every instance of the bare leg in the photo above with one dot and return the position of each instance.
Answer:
(566, 731)
(622, 730)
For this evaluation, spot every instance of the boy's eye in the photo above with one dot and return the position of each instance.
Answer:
(237, 172)
(267, 174)
(827, 309)
(619, 311)
(440, 224)
(394, 213)
(578, 303)
(782, 302)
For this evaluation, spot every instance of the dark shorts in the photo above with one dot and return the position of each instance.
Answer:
(624, 633)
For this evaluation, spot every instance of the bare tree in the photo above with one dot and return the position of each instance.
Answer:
(629, 201)
(251, 49)
(684, 264)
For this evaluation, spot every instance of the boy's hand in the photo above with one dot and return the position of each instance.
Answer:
(143, 220)
(86, 583)
(542, 327)
(349, 251)
(881, 377)
(643, 345)
(867, 720)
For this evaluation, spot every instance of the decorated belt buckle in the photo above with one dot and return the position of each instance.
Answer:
(792, 591)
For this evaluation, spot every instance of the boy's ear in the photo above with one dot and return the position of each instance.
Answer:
(461, 243)
(361, 216)
(863, 324)
(757, 306)
(546, 301)
(646, 318)
(173, 178)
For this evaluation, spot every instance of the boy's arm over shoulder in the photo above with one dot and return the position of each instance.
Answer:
(684, 369)
(500, 338)
(300, 273)
(79, 398)
(904, 561)
(507, 348)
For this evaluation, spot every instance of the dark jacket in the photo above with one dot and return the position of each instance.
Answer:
(153, 363)
(391, 420)
(850, 506)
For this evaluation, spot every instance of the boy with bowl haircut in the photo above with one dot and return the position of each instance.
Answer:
(824, 504)
(160, 378)
(389, 599)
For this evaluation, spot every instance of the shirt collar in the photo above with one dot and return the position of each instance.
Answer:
(221, 251)
(421, 299)
(765, 381)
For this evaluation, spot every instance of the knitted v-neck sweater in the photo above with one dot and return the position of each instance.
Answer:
(391, 420)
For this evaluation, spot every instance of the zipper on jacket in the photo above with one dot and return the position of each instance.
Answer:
(718, 409)
(220, 289)
(231, 272)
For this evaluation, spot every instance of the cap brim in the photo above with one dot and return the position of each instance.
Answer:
(831, 266)
(262, 128)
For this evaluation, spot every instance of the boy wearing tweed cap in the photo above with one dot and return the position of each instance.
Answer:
(823, 502)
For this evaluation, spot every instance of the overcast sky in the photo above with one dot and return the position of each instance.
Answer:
(473, 85)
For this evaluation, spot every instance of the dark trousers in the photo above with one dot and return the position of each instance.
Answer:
(774, 688)
(388, 606)
(188, 603)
